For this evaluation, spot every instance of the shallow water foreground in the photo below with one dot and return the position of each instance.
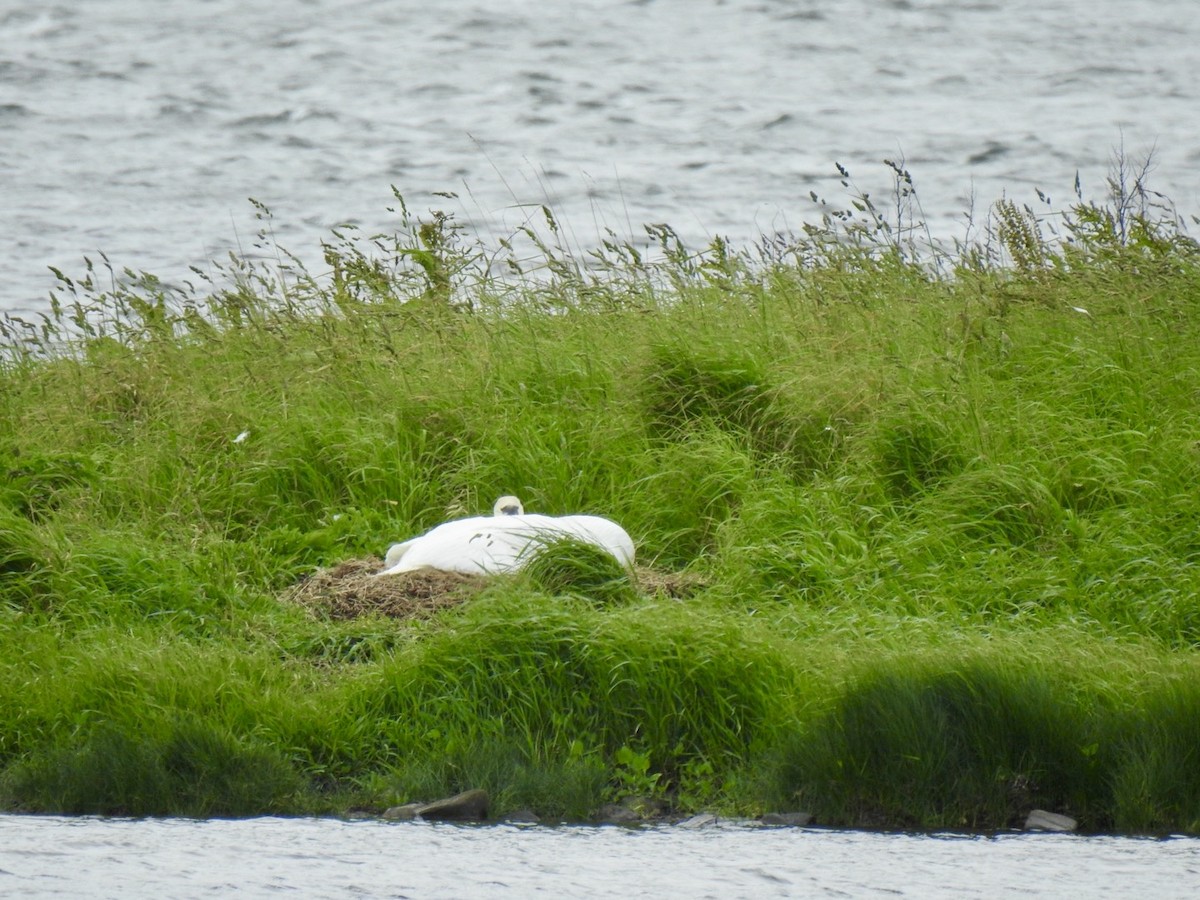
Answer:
(49, 856)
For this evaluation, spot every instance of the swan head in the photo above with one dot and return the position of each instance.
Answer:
(508, 506)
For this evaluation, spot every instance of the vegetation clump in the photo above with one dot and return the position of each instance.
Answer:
(918, 530)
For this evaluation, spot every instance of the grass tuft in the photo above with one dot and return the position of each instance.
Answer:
(577, 568)
(190, 769)
(975, 746)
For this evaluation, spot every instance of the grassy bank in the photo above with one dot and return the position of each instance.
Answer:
(940, 512)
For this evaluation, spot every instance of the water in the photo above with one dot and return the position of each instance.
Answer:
(140, 128)
(113, 858)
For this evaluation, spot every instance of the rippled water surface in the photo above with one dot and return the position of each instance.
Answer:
(140, 128)
(102, 858)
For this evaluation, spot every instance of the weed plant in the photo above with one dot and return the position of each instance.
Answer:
(944, 506)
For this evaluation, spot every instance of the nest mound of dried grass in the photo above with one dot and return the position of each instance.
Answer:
(350, 589)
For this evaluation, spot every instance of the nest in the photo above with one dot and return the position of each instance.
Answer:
(351, 589)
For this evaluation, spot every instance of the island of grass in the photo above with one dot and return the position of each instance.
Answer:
(918, 534)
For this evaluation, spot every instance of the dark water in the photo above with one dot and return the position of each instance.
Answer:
(140, 128)
(105, 858)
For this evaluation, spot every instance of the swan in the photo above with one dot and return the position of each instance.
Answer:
(502, 542)
(507, 505)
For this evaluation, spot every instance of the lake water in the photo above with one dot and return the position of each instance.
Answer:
(140, 128)
(45, 856)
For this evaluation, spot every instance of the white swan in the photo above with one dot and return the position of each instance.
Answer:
(502, 542)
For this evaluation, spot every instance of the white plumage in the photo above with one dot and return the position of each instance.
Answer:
(503, 542)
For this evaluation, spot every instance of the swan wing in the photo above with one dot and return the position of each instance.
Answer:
(396, 552)
(474, 546)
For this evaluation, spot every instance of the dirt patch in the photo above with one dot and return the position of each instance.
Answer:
(350, 589)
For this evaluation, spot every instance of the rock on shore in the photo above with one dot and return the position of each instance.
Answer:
(469, 806)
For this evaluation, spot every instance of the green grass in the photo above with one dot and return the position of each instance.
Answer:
(944, 509)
